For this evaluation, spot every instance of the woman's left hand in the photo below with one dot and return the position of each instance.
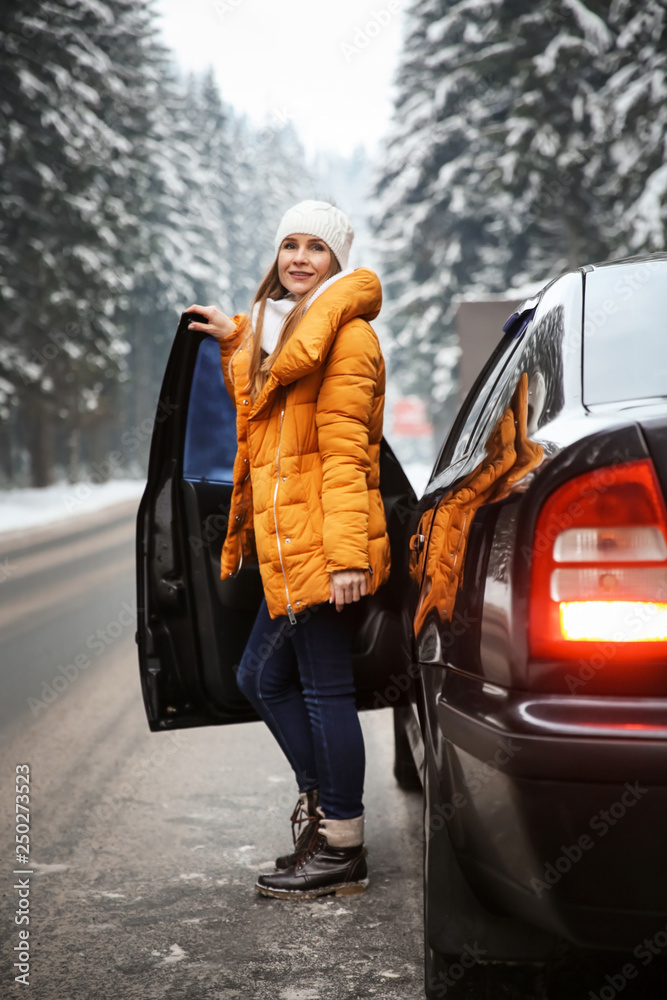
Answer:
(347, 585)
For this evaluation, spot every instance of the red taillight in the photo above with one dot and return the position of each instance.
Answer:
(599, 565)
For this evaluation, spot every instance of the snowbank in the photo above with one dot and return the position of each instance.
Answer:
(29, 508)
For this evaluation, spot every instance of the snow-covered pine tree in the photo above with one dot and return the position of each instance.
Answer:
(127, 39)
(182, 254)
(633, 106)
(555, 137)
(438, 226)
(515, 152)
(245, 252)
(104, 230)
(125, 194)
(56, 244)
(212, 188)
(209, 209)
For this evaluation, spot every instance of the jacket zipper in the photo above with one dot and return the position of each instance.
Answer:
(290, 610)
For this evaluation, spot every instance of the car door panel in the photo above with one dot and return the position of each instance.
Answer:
(193, 626)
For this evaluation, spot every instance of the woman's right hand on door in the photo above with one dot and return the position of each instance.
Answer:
(219, 325)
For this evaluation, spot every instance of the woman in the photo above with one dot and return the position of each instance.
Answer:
(307, 377)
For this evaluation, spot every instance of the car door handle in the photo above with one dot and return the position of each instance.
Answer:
(417, 543)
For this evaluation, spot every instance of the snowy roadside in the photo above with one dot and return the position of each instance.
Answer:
(31, 508)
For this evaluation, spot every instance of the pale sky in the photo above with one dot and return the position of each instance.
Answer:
(327, 65)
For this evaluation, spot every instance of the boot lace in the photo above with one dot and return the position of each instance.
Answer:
(299, 817)
(316, 840)
(305, 840)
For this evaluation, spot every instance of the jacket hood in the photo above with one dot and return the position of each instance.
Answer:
(349, 295)
(346, 296)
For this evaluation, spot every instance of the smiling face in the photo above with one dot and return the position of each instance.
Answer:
(302, 262)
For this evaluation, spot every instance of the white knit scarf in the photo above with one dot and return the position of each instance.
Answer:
(276, 310)
(274, 316)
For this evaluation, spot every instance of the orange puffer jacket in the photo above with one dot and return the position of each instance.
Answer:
(306, 498)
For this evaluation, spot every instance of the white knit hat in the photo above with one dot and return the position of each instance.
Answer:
(319, 218)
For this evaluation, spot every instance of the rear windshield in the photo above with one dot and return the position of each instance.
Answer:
(625, 332)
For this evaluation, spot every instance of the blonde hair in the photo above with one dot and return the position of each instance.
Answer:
(260, 362)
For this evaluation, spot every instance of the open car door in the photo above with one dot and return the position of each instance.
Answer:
(192, 627)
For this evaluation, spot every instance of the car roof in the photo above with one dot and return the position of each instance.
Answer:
(637, 259)
(529, 304)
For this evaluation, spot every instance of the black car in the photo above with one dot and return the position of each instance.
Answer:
(521, 640)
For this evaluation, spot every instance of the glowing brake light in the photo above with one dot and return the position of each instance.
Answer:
(600, 620)
(599, 564)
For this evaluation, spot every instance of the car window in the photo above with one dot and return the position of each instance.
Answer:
(462, 436)
(210, 433)
(625, 347)
(541, 357)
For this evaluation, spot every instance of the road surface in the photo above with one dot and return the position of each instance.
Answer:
(144, 847)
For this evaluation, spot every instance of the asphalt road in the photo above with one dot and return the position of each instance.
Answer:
(144, 848)
(65, 592)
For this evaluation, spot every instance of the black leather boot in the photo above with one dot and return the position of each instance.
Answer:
(323, 868)
(305, 816)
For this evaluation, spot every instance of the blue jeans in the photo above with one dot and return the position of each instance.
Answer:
(299, 680)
